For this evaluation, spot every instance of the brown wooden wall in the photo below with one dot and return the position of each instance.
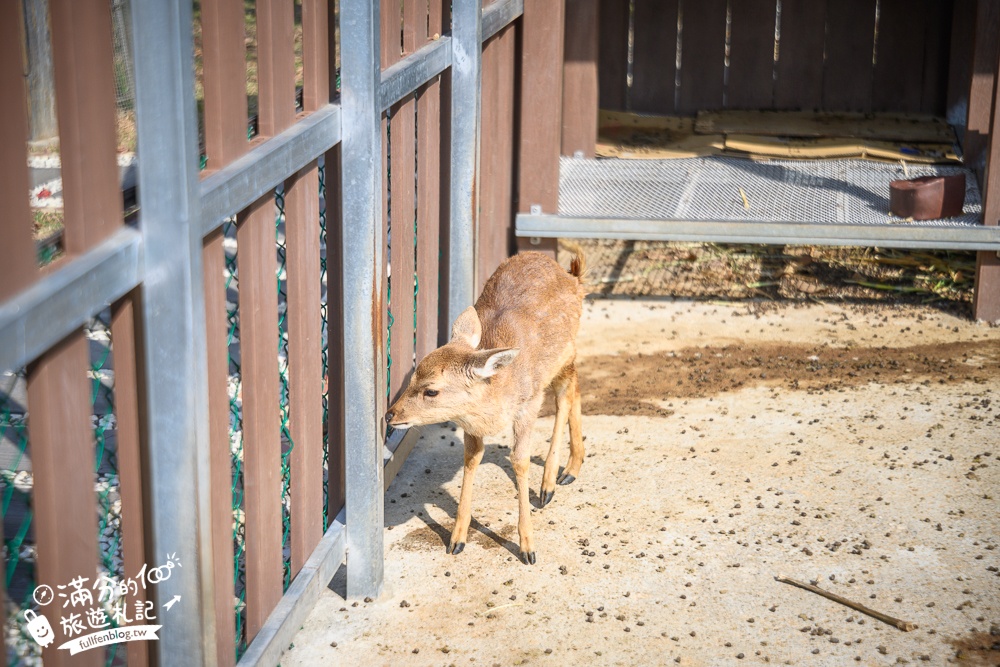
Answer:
(833, 55)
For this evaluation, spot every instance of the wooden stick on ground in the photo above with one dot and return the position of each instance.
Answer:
(905, 626)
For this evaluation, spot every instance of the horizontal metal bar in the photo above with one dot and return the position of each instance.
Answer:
(499, 14)
(287, 618)
(397, 451)
(413, 71)
(978, 237)
(239, 184)
(43, 314)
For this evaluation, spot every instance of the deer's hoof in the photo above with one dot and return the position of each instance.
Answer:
(546, 497)
(566, 479)
(528, 557)
(456, 548)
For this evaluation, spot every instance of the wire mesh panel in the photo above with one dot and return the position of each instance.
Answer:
(842, 191)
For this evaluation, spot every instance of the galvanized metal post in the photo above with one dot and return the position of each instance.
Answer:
(175, 390)
(364, 338)
(466, 84)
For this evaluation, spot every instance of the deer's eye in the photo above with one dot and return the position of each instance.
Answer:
(430, 393)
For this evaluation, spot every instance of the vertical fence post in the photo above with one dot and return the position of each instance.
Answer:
(364, 339)
(466, 81)
(175, 391)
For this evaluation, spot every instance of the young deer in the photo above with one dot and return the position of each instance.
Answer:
(518, 339)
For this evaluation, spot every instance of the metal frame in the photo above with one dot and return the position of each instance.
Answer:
(466, 94)
(721, 231)
(173, 334)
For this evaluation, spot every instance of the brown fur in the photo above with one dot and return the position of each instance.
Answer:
(518, 340)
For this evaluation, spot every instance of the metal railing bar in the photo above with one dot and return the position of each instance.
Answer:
(242, 182)
(979, 237)
(413, 71)
(287, 618)
(500, 14)
(43, 314)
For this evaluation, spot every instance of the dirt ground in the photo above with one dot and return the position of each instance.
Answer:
(851, 445)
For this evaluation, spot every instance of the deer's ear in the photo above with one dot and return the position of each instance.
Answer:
(467, 328)
(485, 364)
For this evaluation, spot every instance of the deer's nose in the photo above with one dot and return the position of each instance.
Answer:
(389, 415)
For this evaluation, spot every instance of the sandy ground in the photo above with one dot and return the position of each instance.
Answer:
(852, 446)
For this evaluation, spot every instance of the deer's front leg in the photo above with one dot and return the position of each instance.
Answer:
(520, 458)
(473, 455)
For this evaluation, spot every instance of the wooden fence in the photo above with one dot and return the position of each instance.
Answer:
(410, 116)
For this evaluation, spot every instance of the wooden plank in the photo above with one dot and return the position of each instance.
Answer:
(579, 123)
(613, 60)
(85, 107)
(799, 70)
(401, 219)
(703, 55)
(336, 464)
(62, 459)
(654, 61)
(223, 57)
(936, 56)
(220, 458)
(305, 373)
(986, 300)
(224, 66)
(261, 419)
(963, 30)
(898, 77)
(984, 69)
(850, 37)
(429, 219)
(751, 55)
(17, 252)
(541, 126)
(275, 66)
(317, 54)
(495, 221)
(124, 341)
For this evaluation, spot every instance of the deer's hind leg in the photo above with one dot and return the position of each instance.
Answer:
(561, 386)
(576, 451)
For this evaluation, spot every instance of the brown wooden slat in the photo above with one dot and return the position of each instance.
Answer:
(703, 53)
(305, 373)
(937, 27)
(127, 402)
(220, 459)
(223, 57)
(429, 218)
(275, 66)
(85, 107)
(336, 467)
(316, 53)
(654, 60)
(223, 53)
(495, 220)
(579, 128)
(986, 300)
(984, 62)
(401, 217)
(751, 55)
(963, 30)
(444, 146)
(799, 70)
(541, 127)
(17, 252)
(850, 36)
(613, 59)
(898, 78)
(62, 458)
(261, 419)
